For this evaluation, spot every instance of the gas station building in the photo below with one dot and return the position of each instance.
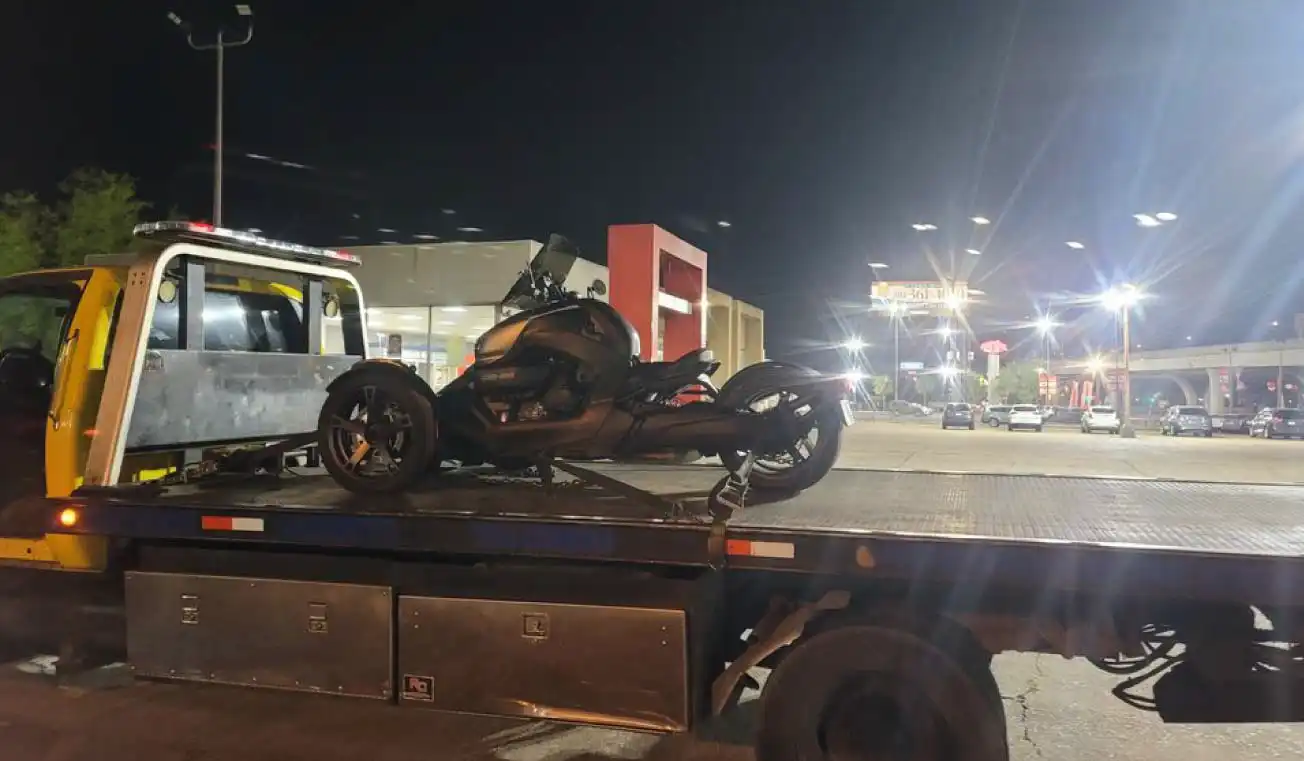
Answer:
(427, 303)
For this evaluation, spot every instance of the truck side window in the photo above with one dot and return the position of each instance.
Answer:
(234, 321)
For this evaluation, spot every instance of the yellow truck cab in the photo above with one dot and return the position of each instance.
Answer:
(138, 366)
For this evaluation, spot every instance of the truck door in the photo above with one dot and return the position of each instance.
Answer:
(36, 315)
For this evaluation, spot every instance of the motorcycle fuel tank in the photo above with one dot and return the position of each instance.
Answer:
(499, 339)
(554, 325)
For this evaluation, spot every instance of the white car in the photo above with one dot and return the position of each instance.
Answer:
(1025, 416)
(1100, 419)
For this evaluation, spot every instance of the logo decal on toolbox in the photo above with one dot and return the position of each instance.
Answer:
(230, 523)
(421, 688)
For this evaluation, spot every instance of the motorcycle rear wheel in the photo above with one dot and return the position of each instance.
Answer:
(794, 470)
(389, 420)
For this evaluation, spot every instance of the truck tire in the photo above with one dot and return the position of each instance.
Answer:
(854, 692)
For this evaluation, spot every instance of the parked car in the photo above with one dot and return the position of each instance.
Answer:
(1180, 419)
(1101, 419)
(908, 409)
(957, 415)
(1025, 416)
(1232, 422)
(996, 415)
(1278, 423)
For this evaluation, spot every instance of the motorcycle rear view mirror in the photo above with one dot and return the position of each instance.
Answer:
(599, 288)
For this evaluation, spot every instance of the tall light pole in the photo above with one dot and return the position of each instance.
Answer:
(220, 44)
(1045, 326)
(894, 314)
(1121, 299)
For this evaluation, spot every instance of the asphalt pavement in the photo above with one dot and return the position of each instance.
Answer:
(1056, 708)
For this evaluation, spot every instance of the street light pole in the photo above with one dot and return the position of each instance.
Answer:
(896, 354)
(1125, 430)
(219, 46)
(1123, 298)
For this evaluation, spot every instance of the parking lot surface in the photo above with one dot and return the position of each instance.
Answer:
(1057, 709)
(914, 444)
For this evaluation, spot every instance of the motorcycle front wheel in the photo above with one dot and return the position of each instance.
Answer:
(376, 433)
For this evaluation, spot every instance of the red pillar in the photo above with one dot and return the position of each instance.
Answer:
(644, 261)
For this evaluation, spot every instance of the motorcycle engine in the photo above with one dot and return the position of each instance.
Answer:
(559, 398)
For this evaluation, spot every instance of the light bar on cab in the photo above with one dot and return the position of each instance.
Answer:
(202, 232)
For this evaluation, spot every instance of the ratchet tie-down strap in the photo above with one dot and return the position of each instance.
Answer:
(716, 544)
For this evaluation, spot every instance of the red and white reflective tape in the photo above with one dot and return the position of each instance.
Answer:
(229, 523)
(749, 549)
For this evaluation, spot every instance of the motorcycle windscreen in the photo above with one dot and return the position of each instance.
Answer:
(554, 260)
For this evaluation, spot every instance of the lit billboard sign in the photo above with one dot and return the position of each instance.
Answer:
(924, 293)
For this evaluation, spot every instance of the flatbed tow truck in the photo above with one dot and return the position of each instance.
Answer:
(613, 597)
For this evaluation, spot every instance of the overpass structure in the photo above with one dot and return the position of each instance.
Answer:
(1192, 368)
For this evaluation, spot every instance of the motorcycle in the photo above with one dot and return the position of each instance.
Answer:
(561, 379)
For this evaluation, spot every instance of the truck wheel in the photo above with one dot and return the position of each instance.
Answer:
(376, 432)
(869, 691)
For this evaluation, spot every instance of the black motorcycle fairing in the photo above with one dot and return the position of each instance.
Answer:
(569, 360)
(498, 340)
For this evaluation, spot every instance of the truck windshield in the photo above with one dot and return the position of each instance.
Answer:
(35, 310)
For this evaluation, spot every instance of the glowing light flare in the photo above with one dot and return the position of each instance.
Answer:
(1121, 297)
(853, 344)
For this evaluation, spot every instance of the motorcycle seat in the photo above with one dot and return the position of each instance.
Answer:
(692, 364)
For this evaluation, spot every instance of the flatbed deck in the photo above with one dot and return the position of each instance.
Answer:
(1195, 539)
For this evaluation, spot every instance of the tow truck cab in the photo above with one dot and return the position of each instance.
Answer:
(134, 366)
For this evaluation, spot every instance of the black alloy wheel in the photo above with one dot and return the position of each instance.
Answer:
(376, 433)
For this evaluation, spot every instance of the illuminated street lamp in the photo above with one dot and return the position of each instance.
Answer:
(854, 376)
(924, 227)
(1075, 245)
(220, 44)
(1095, 364)
(1154, 220)
(973, 252)
(1046, 326)
(980, 220)
(877, 265)
(945, 332)
(853, 344)
(1121, 299)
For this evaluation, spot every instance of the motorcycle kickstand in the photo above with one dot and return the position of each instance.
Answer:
(730, 494)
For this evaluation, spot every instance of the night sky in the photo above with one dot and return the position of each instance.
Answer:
(820, 130)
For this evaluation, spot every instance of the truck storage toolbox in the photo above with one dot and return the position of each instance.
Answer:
(293, 635)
